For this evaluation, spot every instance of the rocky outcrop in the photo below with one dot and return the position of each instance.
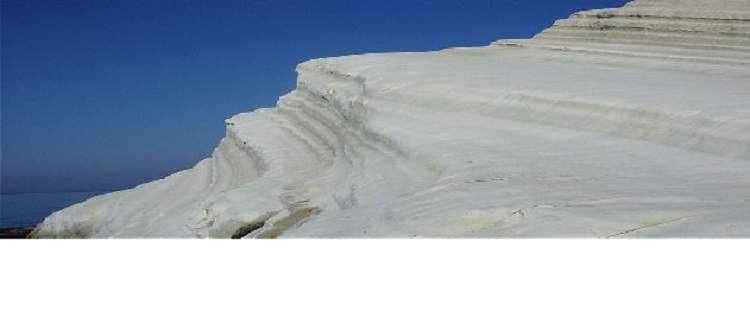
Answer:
(686, 30)
(630, 122)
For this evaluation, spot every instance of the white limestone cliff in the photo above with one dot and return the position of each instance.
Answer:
(629, 122)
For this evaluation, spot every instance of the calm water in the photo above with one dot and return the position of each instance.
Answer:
(27, 210)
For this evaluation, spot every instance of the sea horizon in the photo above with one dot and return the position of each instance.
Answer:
(21, 210)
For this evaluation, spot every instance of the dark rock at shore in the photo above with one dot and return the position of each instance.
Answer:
(15, 232)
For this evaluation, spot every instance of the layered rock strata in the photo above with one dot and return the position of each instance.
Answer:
(628, 122)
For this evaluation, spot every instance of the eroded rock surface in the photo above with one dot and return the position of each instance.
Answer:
(628, 122)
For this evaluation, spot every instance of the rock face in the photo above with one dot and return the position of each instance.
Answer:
(629, 122)
(694, 30)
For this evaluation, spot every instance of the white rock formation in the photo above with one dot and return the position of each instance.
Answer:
(630, 122)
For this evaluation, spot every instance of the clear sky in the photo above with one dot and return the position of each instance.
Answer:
(104, 95)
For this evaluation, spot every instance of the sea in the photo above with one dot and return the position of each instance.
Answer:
(28, 210)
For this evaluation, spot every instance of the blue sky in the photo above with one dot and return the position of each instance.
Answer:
(104, 95)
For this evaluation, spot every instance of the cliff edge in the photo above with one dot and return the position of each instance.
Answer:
(627, 122)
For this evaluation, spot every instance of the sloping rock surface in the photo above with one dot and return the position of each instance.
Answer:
(628, 122)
